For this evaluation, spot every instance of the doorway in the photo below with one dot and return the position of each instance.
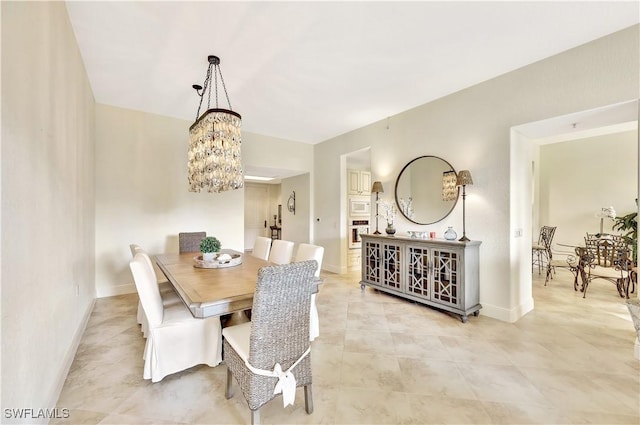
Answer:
(526, 181)
(260, 211)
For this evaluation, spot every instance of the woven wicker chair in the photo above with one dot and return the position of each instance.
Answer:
(190, 241)
(277, 334)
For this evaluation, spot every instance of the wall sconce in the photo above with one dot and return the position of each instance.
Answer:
(464, 179)
(449, 187)
(377, 189)
(291, 203)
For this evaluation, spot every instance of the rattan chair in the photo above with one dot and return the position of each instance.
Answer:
(277, 337)
(190, 241)
(312, 252)
(167, 293)
(261, 248)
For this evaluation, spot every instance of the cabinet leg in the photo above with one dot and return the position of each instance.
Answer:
(476, 313)
(362, 285)
(464, 318)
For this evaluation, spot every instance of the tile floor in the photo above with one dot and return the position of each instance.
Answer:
(384, 360)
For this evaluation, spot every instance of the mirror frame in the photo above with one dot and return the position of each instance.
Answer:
(453, 205)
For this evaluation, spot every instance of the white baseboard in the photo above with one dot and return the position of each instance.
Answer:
(70, 356)
(636, 349)
(126, 288)
(507, 315)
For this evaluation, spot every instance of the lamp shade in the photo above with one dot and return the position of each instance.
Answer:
(377, 187)
(464, 178)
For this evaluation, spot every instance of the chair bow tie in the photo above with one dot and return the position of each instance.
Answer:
(286, 381)
(286, 385)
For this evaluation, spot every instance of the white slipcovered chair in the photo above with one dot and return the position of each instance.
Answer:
(167, 293)
(281, 252)
(261, 248)
(176, 340)
(312, 252)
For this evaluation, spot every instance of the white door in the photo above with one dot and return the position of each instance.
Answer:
(256, 212)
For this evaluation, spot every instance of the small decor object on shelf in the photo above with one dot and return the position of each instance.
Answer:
(209, 246)
(450, 234)
(389, 212)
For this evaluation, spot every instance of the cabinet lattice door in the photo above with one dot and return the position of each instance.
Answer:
(445, 277)
(391, 265)
(371, 264)
(418, 272)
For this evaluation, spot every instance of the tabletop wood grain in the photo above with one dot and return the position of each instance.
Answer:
(212, 292)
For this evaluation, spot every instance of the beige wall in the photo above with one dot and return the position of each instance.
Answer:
(579, 177)
(47, 202)
(296, 227)
(142, 195)
(471, 130)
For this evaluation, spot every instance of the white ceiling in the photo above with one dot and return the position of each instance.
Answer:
(309, 71)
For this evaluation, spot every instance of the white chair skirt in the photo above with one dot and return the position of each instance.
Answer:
(181, 342)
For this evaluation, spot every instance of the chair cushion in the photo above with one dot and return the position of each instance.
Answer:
(606, 272)
(238, 337)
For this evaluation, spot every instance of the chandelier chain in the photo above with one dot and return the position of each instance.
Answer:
(225, 91)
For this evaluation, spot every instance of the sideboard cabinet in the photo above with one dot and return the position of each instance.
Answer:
(436, 272)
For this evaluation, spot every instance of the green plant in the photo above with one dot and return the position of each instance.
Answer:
(629, 224)
(210, 244)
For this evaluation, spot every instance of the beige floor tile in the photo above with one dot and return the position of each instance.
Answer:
(446, 410)
(384, 360)
(370, 371)
(500, 383)
(433, 377)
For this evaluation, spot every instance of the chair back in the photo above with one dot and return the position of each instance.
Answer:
(310, 252)
(190, 241)
(545, 238)
(147, 286)
(280, 314)
(281, 252)
(261, 248)
(607, 251)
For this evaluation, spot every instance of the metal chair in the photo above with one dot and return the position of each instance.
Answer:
(605, 257)
(561, 259)
(190, 241)
(541, 251)
(273, 351)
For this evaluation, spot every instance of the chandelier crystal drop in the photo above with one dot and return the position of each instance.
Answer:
(215, 142)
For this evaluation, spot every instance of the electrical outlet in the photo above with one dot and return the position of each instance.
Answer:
(517, 233)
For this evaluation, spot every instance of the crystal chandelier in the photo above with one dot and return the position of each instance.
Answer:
(215, 143)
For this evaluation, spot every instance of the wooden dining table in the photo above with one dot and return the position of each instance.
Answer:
(212, 291)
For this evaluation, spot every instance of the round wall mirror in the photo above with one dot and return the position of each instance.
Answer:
(426, 190)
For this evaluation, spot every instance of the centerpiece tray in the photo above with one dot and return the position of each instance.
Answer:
(236, 260)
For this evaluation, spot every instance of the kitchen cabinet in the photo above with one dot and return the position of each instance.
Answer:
(359, 182)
